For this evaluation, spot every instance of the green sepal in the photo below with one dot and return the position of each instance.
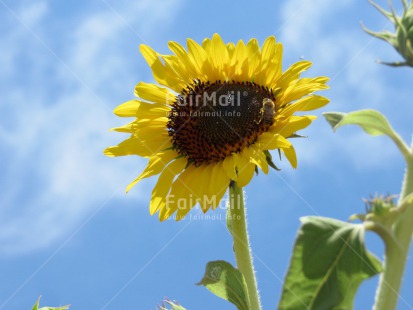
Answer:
(37, 304)
(294, 135)
(223, 280)
(394, 64)
(387, 14)
(385, 35)
(328, 264)
(268, 158)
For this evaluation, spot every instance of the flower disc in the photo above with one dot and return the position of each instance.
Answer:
(209, 122)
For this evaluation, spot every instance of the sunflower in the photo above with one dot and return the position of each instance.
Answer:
(220, 108)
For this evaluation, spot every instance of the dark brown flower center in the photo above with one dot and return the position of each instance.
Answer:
(209, 122)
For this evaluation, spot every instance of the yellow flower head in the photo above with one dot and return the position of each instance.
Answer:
(219, 110)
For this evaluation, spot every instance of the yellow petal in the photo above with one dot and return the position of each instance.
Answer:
(245, 170)
(268, 50)
(219, 53)
(162, 75)
(254, 56)
(218, 184)
(129, 128)
(229, 166)
(210, 71)
(173, 64)
(144, 129)
(127, 109)
(240, 61)
(163, 185)
(196, 52)
(206, 45)
(267, 56)
(270, 141)
(155, 165)
(231, 49)
(302, 88)
(276, 67)
(135, 146)
(154, 93)
(184, 58)
(202, 188)
(258, 157)
(292, 125)
(154, 113)
(306, 104)
(291, 156)
(142, 109)
(292, 73)
(199, 58)
(147, 123)
(149, 54)
(181, 197)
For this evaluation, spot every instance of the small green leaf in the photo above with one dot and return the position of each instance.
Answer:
(329, 263)
(223, 280)
(333, 118)
(372, 122)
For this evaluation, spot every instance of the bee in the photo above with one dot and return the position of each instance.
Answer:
(267, 112)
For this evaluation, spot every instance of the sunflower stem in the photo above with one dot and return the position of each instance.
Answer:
(396, 253)
(241, 243)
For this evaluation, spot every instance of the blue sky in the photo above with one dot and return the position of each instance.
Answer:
(68, 231)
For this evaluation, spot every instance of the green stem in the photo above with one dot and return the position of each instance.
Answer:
(396, 252)
(241, 243)
(402, 146)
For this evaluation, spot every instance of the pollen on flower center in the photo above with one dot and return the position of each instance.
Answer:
(209, 122)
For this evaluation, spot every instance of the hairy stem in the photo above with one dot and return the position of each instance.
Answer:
(241, 243)
(396, 253)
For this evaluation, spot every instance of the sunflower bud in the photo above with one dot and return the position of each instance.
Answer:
(380, 205)
(402, 39)
(167, 303)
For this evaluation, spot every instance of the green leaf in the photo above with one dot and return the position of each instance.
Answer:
(372, 121)
(36, 307)
(329, 263)
(223, 280)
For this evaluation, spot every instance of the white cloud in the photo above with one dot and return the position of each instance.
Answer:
(33, 13)
(305, 21)
(57, 122)
(344, 54)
